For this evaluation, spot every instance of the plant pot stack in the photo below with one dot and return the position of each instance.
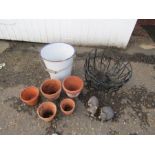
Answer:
(51, 90)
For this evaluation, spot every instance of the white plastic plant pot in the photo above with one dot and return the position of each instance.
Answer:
(58, 59)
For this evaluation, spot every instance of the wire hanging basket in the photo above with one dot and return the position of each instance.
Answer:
(106, 72)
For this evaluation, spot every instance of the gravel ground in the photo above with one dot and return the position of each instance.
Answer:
(133, 104)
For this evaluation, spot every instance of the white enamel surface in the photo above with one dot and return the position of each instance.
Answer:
(58, 57)
(61, 75)
(98, 32)
(57, 52)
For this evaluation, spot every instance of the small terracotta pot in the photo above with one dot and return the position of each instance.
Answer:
(67, 106)
(47, 111)
(73, 86)
(30, 95)
(51, 89)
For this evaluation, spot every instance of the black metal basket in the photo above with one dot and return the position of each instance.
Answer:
(106, 72)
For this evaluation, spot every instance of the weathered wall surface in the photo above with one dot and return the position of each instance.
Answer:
(79, 32)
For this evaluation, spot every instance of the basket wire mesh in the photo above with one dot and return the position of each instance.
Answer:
(106, 72)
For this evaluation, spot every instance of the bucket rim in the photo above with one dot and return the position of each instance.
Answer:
(57, 60)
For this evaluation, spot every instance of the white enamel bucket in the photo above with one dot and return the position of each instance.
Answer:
(58, 59)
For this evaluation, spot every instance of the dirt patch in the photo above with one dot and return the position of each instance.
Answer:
(19, 106)
(22, 67)
(121, 53)
(136, 98)
(112, 132)
(52, 129)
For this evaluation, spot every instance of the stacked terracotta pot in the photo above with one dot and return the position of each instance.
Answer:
(51, 90)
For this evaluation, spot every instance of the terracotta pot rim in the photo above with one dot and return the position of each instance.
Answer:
(53, 93)
(62, 102)
(34, 98)
(74, 91)
(54, 113)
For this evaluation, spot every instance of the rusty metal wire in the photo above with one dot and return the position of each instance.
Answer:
(106, 72)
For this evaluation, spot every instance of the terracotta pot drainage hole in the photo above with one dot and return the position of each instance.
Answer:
(67, 108)
(47, 114)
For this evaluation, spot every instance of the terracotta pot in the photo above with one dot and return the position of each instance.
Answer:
(73, 86)
(47, 111)
(67, 106)
(30, 95)
(51, 89)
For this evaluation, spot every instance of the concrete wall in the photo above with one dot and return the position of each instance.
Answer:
(79, 32)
